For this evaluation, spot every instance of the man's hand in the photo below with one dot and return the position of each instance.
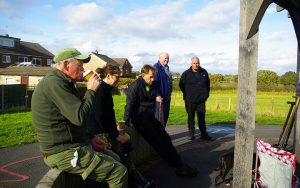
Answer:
(98, 144)
(159, 99)
(123, 138)
(93, 83)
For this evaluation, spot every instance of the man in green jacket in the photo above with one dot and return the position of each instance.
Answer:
(59, 114)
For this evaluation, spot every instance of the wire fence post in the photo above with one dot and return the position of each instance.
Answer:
(229, 104)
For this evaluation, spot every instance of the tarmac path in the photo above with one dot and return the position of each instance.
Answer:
(23, 166)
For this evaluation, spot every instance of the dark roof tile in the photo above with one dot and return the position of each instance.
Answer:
(106, 59)
(25, 71)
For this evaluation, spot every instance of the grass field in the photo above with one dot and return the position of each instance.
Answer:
(271, 109)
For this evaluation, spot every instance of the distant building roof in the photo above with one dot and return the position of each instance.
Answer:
(26, 48)
(26, 71)
(106, 59)
(121, 61)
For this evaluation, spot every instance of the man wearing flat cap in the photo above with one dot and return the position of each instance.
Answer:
(59, 114)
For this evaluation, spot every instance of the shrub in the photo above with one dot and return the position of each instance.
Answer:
(288, 78)
(125, 81)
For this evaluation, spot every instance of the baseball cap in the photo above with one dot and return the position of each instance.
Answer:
(67, 53)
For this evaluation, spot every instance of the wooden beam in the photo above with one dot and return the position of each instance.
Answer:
(246, 102)
(295, 17)
(279, 8)
(297, 126)
(256, 13)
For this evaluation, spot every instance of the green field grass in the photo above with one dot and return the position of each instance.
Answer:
(271, 109)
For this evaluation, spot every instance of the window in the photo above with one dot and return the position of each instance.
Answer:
(7, 42)
(22, 59)
(10, 81)
(6, 59)
(49, 61)
(36, 61)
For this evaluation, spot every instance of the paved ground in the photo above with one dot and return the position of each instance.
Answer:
(22, 166)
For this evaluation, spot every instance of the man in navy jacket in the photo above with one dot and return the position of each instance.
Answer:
(139, 111)
(163, 80)
(195, 86)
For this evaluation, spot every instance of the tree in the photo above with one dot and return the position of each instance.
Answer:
(267, 77)
(288, 78)
(216, 78)
(175, 75)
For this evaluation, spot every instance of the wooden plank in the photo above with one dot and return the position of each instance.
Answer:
(246, 102)
(256, 13)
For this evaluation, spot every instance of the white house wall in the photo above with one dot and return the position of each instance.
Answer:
(4, 80)
(32, 80)
(94, 63)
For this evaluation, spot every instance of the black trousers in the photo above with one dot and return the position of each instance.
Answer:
(193, 108)
(155, 134)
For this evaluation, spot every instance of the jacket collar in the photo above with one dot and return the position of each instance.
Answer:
(62, 75)
(107, 86)
(142, 81)
(200, 68)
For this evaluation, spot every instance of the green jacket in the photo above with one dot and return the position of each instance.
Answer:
(59, 113)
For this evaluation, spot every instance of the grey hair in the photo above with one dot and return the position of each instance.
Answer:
(195, 57)
(56, 64)
(163, 54)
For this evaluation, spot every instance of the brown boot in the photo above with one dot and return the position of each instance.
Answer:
(192, 134)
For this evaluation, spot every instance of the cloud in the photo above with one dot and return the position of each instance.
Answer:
(210, 31)
(85, 17)
(271, 9)
(160, 21)
(278, 51)
(14, 8)
(214, 16)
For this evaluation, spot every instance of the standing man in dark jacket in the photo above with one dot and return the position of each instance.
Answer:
(195, 86)
(163, 79)
(59, 115)
(140, 111)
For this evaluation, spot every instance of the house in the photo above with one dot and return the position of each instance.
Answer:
(29, 75)
(125, 66)
(13, 50)
(100, 60)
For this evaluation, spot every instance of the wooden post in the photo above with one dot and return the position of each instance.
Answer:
(246, 102)
(272, 104)
(229, 104)
(2, 98)
(297, 125)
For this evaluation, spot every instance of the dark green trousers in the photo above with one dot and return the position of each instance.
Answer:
(99, 166)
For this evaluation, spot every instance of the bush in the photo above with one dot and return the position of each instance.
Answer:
(288, 78)
(125, 81)
(267, 77)
(216, 78)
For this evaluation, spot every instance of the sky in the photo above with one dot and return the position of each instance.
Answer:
(140, 30)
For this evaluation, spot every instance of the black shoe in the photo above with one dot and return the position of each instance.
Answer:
(192, 134)
(204, 136)
(150, 184)
(146, 184)
(186, 170)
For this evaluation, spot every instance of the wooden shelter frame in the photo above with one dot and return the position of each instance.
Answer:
(251, 13)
